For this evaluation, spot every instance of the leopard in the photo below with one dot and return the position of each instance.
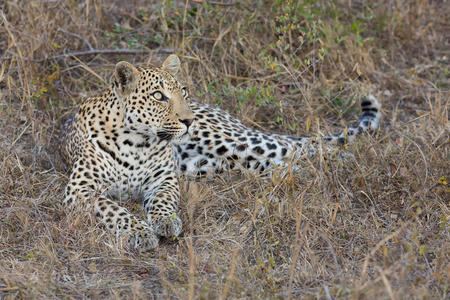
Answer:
(118, 145)
(134, 139)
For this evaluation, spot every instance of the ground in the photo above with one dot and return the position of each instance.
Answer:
(375, 225)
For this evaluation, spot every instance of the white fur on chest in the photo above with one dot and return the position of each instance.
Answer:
(136, 164)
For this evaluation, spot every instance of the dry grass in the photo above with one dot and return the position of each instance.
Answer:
(374, 226)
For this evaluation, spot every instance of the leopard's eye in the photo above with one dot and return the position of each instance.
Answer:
(158, 96)
(184, 92)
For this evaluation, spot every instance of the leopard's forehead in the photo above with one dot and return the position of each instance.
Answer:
(158, 78)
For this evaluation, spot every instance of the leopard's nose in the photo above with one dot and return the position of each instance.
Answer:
(188, 122)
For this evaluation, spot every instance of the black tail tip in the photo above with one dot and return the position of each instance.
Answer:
(370, 100)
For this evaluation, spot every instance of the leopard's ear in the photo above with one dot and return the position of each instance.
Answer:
(172, 64)
(127, 77)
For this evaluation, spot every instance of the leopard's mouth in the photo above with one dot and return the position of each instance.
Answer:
(168, 136)
(164, 135)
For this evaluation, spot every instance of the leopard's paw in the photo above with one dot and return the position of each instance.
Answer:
(143, 240)
(167, 227)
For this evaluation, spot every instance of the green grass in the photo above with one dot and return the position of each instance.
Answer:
(375, 226)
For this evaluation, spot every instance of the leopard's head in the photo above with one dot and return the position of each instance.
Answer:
(154, 102)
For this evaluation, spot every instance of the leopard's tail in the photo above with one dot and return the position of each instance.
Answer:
(368, 122)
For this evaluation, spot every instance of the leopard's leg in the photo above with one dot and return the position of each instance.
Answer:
(85, 193)
(161, 204)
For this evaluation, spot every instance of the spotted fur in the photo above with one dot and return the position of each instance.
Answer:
(221, 142)
(127, 142)
(119, 145)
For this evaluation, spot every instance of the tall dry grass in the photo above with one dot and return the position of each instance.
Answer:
(371, 226)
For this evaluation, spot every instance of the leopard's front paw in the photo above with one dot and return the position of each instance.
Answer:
(167, 227)
(143, 240)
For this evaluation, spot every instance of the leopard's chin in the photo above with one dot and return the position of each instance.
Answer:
(182, 139)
